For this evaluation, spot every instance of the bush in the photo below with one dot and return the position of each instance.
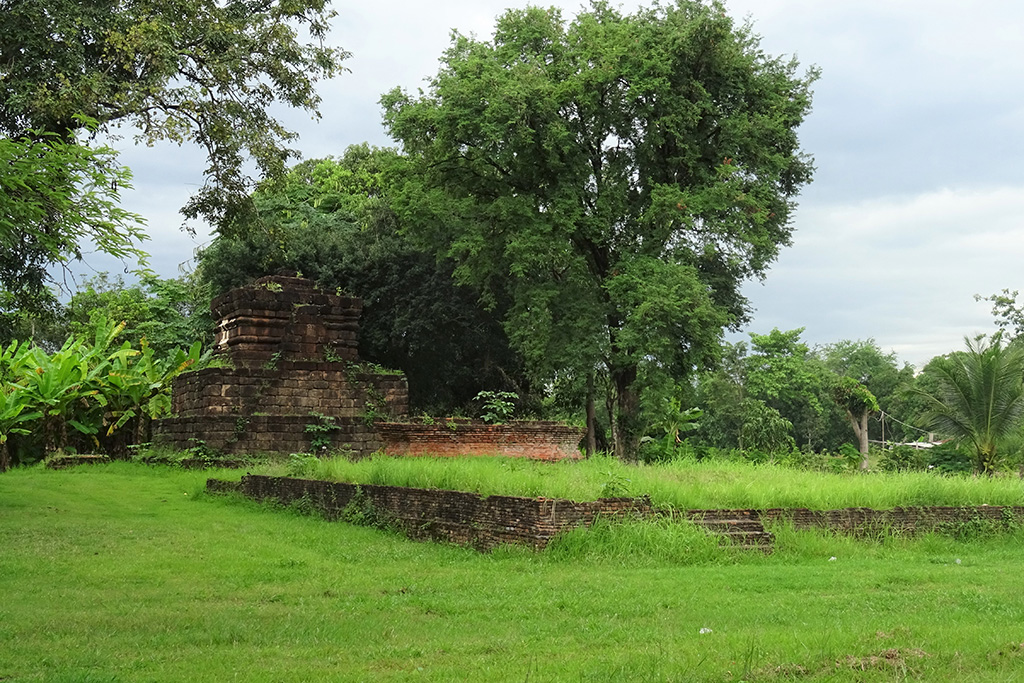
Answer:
(949, 459)
(904, 459)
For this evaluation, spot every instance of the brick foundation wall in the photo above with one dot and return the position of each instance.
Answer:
(452, 516)
(487, 522)
(535, 439)
(239, 434)
(910, 520)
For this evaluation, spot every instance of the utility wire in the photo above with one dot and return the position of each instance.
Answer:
(887, 415)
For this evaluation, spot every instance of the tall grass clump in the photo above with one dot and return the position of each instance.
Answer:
(680, 484)
(690, 484)
(649, 541)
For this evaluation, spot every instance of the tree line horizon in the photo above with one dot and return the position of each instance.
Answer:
(571, 214)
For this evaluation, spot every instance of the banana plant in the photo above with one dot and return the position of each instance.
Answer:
(85, 387)
(14, 417)
(57, 387)
(139, 386)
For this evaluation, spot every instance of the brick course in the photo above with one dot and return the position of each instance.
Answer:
(535, 439)
(487, 522)
(453, 516)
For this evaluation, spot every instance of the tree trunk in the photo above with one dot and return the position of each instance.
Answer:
(55, 434)
(5, 457)
(627, 419)
(860, 428)
(591, 418)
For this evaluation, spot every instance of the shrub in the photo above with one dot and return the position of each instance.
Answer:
(904, 459)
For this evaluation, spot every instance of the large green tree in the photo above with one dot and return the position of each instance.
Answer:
(616, 177)
(332, 220)
(202, 71)
(784, 373)
(55, 195)
(869, 383)
(734, 419)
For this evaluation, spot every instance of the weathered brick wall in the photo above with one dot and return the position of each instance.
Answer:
(486, 522)
(453, 516)
(286, 316)
(290, 388)
(253, 434)
(901, 519)
(536, 439)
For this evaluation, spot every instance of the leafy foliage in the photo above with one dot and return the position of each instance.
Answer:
(1009, 315)
(179, 70)
(106, 395)
(332, 220)
(55, 196)
(979, 398)
(185, 70)
(167, 313)
(782, 393)
(496, 406)
(782, 372)
(614, 179)
(858, 403)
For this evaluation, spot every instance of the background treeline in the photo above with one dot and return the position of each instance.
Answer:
(574, 211)
(87, 383)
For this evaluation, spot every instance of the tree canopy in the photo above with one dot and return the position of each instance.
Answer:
(56, 195)
(332, 220)
(182, 70)
(616, 177)
(200, 71)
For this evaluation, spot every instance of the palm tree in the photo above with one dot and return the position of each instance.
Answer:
(979, 398)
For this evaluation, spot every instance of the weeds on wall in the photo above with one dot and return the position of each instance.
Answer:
(321, 432)
(496, 406)
(977, 527)
(198, 453)
(361, 511)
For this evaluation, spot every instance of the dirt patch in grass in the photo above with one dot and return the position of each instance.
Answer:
(893, 658)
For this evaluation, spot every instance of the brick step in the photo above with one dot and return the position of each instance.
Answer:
(746, 540)
(723, 515)
(744, 530)
(728, 525)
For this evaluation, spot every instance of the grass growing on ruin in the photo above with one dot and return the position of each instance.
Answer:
(681, 484)
(123, 573)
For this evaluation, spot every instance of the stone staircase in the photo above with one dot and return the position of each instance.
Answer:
(740, 528)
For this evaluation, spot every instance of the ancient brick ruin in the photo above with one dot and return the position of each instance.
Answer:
(287, 377)
(482, 522)
(485, 522)
(534, 439)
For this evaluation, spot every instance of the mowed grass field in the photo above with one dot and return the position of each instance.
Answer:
(130, 573)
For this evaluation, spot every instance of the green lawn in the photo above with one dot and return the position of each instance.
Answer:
(681, 484)
(126, 573)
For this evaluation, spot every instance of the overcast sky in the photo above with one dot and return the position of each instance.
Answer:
(917, 134)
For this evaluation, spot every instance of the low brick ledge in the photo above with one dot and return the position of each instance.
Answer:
(484, 522)
(464, 518)
(532, 439)
(62, 462)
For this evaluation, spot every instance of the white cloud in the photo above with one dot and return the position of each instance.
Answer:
(901, 270)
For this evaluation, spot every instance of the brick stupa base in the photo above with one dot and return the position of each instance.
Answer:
(289, 378)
